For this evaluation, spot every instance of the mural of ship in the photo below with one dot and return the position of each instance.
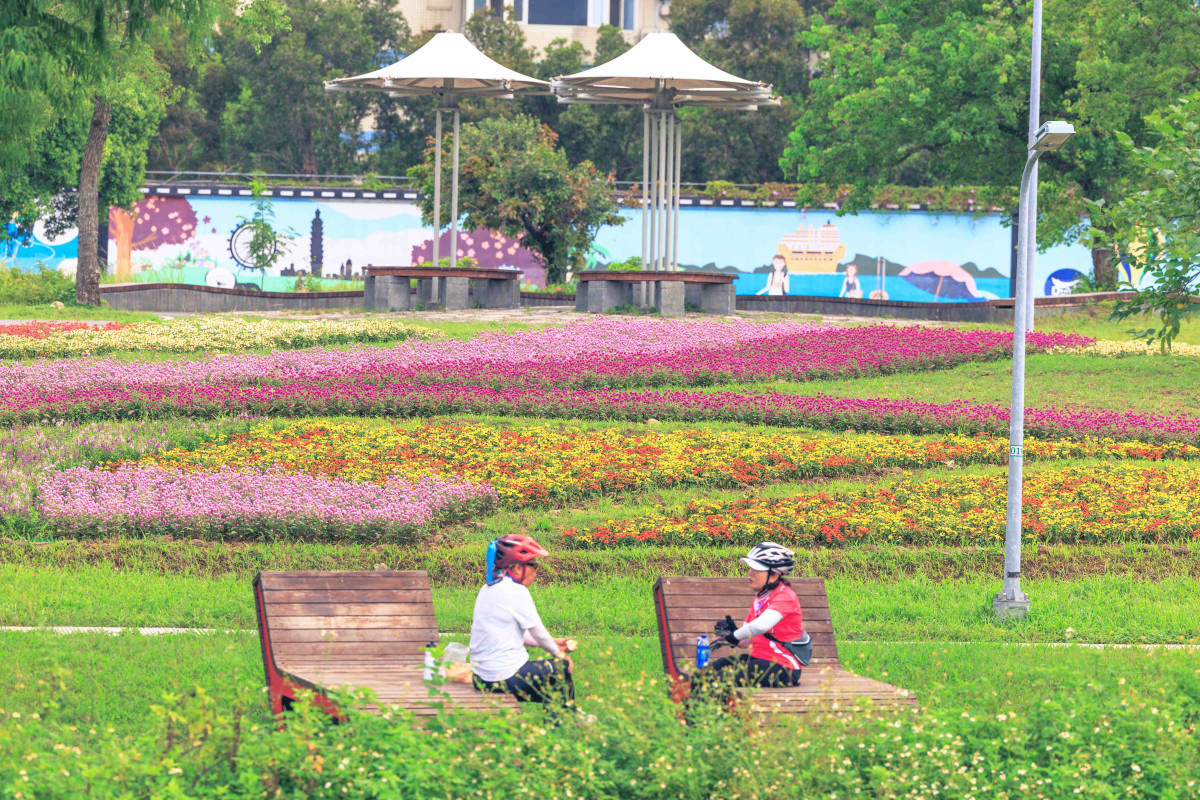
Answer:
(812, 249)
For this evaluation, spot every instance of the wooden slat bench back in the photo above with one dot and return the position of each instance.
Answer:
(326, 630)
(688, 607)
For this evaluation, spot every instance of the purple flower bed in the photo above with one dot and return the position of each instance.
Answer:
(31, 453)
(231, 505)
(784, 410)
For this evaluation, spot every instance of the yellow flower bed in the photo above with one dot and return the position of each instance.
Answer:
(212, 334)
(1107, 347)
(544, 464)
(1112, 502)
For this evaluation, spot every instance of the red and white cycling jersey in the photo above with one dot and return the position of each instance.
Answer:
(782, 599)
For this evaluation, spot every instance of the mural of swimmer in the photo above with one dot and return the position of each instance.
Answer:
(777, 281)
(851, 286)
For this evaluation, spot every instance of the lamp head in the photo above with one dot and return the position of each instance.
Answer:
(1052, 136)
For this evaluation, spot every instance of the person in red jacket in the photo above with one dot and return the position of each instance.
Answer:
(774, 627)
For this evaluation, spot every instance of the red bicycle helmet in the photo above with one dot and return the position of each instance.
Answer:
(516, 548)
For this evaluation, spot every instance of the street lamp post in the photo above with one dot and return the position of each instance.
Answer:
(1028, 212)
(1012, 602)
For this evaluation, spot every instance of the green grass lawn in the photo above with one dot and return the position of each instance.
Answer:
(1142, 384)
(1093, 320)
(49, 312)
(919, 608)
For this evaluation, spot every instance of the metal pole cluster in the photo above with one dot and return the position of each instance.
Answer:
(437, 186)
(661, 156)
(448, 104)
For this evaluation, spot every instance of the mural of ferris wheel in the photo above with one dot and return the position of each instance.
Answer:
(239, 246)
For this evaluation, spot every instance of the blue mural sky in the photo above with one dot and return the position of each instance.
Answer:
(384, 232)
(746, 238)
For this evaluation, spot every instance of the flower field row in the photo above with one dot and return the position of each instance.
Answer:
(28, 455)
(1097, 504)
(44, 329)
(228, 504)
(206, 334)
(589, 353)
(298, 399)
(1107, 347)
(532, 465)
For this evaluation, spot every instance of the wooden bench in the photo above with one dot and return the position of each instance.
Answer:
(688, 607)
(340, 630)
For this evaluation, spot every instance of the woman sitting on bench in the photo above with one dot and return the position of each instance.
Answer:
(506, 622)
(779, 647)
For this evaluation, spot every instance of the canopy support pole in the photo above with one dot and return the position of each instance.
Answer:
(437, 186)
(653, 210)
(678, 185)
(662, 206)
(454, 199)
(645, 189)
(668, 190)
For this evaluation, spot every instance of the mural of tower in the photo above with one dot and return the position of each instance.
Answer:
(316, 247)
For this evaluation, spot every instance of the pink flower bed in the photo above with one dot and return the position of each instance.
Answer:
(131, 500)
(588, 354)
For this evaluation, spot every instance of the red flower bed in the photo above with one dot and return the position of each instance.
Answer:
(40, 330)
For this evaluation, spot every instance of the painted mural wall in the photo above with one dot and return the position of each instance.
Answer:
(910, 256)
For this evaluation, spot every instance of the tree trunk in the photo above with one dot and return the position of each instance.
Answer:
(87, 273)
(1104, 266)
(102, 236)
(122, 225)
(308, 156)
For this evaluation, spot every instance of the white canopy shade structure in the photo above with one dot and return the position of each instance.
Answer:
(448, 66)
(661, 74)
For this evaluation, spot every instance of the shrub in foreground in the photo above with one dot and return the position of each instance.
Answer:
(1105, 741)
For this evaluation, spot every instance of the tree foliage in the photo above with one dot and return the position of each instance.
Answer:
(276, 115)
(516, 180)
(755, 39)
(100, 52)
(924, 92)
(1157, 225)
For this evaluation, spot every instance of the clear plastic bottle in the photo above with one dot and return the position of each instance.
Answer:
(702, 651)
(429, 662)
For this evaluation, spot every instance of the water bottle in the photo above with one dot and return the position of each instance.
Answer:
(702, 651)
(429, 662)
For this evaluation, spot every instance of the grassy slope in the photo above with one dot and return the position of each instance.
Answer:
(1093, 321)
(1144, 384)
(49, 312)
(920, 608)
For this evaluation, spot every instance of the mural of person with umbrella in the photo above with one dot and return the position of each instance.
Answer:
(945, 280)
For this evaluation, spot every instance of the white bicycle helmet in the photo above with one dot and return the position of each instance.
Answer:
(769, 556)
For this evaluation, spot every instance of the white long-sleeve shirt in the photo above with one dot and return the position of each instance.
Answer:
(761, 624)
